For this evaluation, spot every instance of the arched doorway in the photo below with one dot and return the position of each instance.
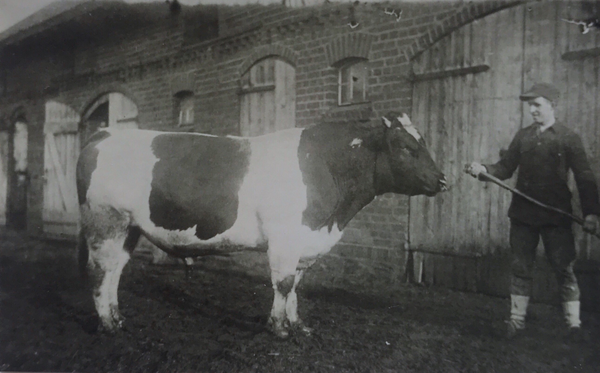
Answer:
(114, 110)
(18, 195)
(14, 179)
(268, 97)
(465, 96)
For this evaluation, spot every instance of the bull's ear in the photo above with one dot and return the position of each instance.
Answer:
(405, 120)
(386, 122)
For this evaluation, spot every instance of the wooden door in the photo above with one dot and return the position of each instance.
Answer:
(61, 210)
(4, 138)
(466, 100)
(268, 98)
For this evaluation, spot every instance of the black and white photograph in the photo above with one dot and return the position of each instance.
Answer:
(274, 186)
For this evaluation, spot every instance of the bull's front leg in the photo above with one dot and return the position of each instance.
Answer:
(283, 262)
(286, 273)
(278, 322)
(291, 305)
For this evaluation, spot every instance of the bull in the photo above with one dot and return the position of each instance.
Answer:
(290, 193)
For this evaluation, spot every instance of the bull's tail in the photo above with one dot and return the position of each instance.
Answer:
(83, 254)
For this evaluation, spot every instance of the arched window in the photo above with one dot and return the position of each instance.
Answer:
(353, 81)
(184, 108)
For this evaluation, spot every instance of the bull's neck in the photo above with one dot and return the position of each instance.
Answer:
(355, 196)
(383, 178)
(351, 206)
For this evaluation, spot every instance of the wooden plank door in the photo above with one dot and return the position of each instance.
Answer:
(268, 98)
(4, 138)
(466, 99)
(61, 149)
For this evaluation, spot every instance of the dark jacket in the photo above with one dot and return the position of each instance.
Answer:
(544, 160)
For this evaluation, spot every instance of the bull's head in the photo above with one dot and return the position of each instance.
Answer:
(411, 169)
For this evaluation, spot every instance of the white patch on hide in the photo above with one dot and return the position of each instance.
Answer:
(356, 143)
(408, 126)
(387, 122)
(405, 120)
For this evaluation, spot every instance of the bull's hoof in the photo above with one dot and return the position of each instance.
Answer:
(117, 318)
(106, 327)
(112, 323)
(300, 327)
(278, 328)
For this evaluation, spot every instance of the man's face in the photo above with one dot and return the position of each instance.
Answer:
(541, 110)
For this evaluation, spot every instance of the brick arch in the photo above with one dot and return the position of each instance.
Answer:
(269, 50)
(90, 99)
(466, 15)
(18, 114)
(349, 45)
(11, 116)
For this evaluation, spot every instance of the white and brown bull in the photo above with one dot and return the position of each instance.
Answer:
(291, 192)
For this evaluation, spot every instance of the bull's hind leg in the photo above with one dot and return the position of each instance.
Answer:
(108, 259)
(106, 230)
(131, 240)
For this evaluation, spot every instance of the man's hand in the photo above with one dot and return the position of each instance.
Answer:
(590, 224)
(474, 169)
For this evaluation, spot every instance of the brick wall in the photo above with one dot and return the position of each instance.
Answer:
(146, 65)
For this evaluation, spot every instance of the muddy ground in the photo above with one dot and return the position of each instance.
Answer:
(214, 322)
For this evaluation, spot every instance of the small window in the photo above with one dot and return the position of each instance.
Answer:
(185, 108)
(352, 83)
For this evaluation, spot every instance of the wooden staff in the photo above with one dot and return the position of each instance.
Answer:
(499, 182)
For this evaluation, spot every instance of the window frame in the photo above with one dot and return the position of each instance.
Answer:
(348, 65)
(184, 107)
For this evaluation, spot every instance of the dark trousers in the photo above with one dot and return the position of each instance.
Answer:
(560, 251)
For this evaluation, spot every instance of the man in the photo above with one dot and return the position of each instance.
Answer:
(544, 152)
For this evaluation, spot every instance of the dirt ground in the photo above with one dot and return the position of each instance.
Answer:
(214, 322)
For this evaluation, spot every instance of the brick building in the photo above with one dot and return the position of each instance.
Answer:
(77, 66)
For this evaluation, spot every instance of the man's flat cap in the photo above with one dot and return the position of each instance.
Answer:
(546, 90)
